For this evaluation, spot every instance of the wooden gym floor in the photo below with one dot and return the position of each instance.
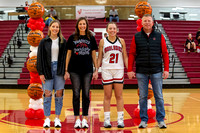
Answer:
(182, 113)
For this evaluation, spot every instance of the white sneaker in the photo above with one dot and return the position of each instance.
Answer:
(57, 123)
(162, 124)
(47, 123)
(120, 123)
(77, 124)
(84, 123)
(107, 124)
(143, 124)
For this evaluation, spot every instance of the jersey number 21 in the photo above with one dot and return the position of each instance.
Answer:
(114, 58)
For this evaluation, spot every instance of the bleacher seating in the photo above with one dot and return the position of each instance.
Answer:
(126, 30)
(177, 31)
(8, 28)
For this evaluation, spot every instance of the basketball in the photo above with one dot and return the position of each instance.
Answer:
(150, 93)
(36, 10)
(35, 91)
(31, 64)
(34, 37)
(142, 8)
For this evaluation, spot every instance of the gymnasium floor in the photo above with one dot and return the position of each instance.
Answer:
(182, 113)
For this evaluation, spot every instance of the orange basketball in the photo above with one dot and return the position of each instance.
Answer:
(150, 93)
(34, 37)
(31, 64)
(142, 8)
(35, 91)
(36, 10)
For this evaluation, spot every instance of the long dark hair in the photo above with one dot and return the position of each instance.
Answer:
(116, 27)
(59, 33)
(77, 32)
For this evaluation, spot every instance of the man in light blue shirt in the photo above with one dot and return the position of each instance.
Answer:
(113, 14)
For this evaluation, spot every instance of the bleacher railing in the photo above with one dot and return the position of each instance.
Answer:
(9, 58)
(174, 62)
(4, 66)
(19, 41)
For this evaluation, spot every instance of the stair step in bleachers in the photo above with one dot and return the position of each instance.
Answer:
(192, 69)
(8, 81)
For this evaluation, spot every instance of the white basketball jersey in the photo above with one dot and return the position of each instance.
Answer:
(112, 55)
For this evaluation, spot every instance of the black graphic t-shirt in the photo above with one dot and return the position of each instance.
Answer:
(81, 58)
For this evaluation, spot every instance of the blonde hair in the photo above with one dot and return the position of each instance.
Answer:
(59, 33)
(116, 27)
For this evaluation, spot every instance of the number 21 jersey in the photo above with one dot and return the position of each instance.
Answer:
(112, 55)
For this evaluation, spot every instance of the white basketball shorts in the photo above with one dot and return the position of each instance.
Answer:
(110, 76)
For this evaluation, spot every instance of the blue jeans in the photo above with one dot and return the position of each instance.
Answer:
(57, 83)
(111, 18)
(81, 81)
(48, 21)
(156, 81)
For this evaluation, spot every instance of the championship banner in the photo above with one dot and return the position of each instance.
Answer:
(90, 12)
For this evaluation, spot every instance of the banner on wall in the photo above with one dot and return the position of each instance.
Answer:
(90, 12)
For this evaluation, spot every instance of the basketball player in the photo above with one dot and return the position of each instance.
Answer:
(112, 55)
(51, 68)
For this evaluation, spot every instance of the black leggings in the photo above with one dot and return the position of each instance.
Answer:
(81, 81)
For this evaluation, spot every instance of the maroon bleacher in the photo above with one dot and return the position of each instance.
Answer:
(177, 31)
(8, 28)
(126, 30)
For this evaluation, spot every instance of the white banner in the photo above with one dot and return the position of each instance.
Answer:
(90, 12)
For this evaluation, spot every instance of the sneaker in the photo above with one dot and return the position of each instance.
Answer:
(162, 124)
(77, 124)
(120, 123)
(57, 123)
(143, 124)
(84, 123)
(107, 124)
(188, 51)
(47, 123)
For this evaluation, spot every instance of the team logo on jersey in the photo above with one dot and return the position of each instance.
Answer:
(110, 48)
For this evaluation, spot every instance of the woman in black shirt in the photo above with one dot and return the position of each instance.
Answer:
(81, 56)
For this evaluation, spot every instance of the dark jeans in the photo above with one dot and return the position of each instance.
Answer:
(81, 81)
